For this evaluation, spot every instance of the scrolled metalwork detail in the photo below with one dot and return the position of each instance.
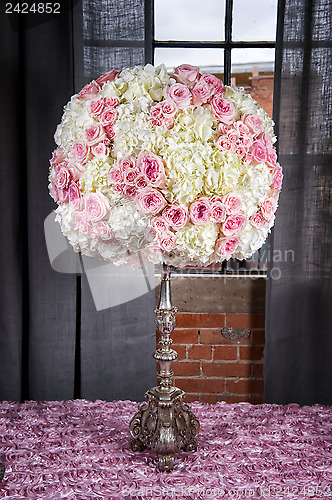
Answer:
(165, 319)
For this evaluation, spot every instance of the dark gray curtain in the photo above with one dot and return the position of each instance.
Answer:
(54, 344)
(298, 353)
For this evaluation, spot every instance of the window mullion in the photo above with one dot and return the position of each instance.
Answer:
(228, 41)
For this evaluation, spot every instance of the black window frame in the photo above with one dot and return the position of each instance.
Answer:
(233, 267)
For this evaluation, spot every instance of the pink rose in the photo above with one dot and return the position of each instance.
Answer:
(271, 157)
(169, 108)
(107, 77)
(75, 196)
(240, 150)
(214, 82)
(257, 220)
(96, 206)
(118, 188)
(176, 216)
(152, 167)
(130, 176)
(167, 241)
(160, 224)
(80, 151)
(89, 91)
(108, 116)
(225, 144)
(81, 223)
(186, 74)
(233, 135)
(226, 246)
(162, 114)
(232, 202)
(223, 109)
(150, 234)
(115, 175)
(234, 224)
(268, 208)
(253, 122)
(242, 129)
(129, 191)
(180, 94)
(127, 162)
(248, 158)
(277, 177)
(266, 140)
(102, 230)
(218, 211)
(202, 92)
(100, 150)
(76, 169)
(62, 176)
(247, 140)
(199, 211)
(96, 106)
(141, 182)
(94, 133)
(110, 131)
(111, 102)
(258, 151)
(62, 195)
(58, 156)
(223, 128)
(150, 201)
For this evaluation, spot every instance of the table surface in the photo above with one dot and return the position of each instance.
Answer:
(80, 450)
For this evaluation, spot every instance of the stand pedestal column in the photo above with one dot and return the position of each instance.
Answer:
(164, 423)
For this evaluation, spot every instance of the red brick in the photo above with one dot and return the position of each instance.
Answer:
(211, 398)
(185, 336)
(181, 350)
(248, 386)
(200, 385)
(198, 320)
(245, 320)
(258, 371)
(225, 352)
(190, 398)
(251, 352)
(235, 399)
(200, 352)
(226, 369)
(186, 368)
(258, 337)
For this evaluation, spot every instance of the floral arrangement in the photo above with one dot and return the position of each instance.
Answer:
(175, 168)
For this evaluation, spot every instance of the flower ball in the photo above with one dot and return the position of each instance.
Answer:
(166, 167)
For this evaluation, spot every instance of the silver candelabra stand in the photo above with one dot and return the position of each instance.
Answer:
(164, 423)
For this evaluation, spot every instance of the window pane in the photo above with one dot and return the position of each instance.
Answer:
(189, 20)
(209, 60)
(253, 69)
(246, 58)
(254, 20)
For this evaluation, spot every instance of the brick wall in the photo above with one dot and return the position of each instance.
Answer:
(211, 366)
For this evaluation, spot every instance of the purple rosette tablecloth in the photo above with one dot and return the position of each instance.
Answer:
(80, 450)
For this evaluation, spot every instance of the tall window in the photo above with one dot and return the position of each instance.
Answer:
(233, 39)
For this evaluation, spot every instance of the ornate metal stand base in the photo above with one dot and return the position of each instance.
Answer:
(164, 423)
